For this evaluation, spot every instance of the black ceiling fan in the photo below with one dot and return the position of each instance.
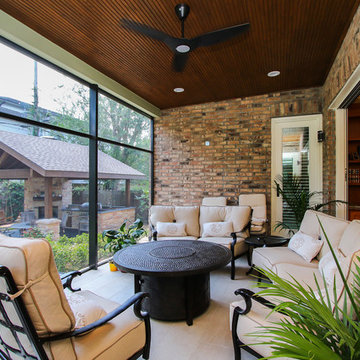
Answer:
(182, 46)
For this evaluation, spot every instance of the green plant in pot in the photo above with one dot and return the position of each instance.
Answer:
(297, 199)
(125, 236)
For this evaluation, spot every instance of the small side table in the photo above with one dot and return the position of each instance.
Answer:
(255, 241)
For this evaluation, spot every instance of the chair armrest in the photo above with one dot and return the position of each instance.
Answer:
(134, 300)
(66, 280)
(248, 296)
(154, 233)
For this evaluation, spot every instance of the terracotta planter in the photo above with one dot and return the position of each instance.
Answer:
(113, 266)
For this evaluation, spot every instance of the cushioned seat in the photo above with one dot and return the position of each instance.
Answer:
(85, 327)
(269, 257)
(239, 248)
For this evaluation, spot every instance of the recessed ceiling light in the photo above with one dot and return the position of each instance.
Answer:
(178, 90)
(273, 73)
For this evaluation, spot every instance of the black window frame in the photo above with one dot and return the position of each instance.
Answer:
(93, 138)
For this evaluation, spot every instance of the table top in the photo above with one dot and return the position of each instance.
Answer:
(172, 258)
(266, 240)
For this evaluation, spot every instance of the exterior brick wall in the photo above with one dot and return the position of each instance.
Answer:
(346, 61)
(238, 159)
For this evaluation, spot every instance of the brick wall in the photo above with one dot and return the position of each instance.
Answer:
(238, 159)
(347, 59)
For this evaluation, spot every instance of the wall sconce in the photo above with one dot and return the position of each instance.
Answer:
(321, 136)
(207, 143)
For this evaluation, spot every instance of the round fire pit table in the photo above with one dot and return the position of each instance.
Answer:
(175, 273)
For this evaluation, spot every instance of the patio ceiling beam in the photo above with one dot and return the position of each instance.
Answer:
(14, 173)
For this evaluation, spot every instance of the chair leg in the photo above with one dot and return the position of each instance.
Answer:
(235, 339)
(232, 274)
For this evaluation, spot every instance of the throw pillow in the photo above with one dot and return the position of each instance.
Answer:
(217, 229)
(85, 310)
(329, 270)
(305, 245)
(170, 229)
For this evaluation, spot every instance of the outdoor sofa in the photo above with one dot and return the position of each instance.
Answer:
(225, 225)
(247, 315)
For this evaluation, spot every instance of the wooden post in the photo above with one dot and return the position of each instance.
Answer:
(48, 198)
(127, 192)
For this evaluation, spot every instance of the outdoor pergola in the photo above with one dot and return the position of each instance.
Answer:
(24, 156)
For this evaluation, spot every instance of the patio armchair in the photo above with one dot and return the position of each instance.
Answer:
(259, 221)
(39, 320)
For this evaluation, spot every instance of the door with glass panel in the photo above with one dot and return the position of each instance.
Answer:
(297, 153)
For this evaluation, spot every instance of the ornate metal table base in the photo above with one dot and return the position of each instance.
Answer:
(173, 299)
(176, 275)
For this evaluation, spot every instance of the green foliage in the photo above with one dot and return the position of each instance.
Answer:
(298, 199)
(316, 326)
(12, 197)
(73, 253)
(125, 236)
(33, 233)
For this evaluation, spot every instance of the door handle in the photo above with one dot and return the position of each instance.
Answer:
(277, 190)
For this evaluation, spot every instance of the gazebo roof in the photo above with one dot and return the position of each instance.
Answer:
(55, 158)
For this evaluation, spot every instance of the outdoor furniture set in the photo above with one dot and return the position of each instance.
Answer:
(307, 255)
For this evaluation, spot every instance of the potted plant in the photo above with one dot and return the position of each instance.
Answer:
(297, 198)
(123, 237)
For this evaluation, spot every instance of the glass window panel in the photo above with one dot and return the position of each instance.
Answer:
(123, 188)
(33, 90)
(122, 124)
(40, 178)
(295, 164)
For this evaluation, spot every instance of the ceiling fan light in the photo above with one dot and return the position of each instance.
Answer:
(183, 48)
(273, 73)
(179, 90)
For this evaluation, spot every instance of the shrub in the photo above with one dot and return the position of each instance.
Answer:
(73, 253)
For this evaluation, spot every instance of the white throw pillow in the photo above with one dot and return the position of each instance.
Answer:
(217, 229)
(305, 245)
(329, 270)
(85, 310)
(170, 229)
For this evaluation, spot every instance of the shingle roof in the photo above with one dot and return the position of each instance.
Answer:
(55, 158)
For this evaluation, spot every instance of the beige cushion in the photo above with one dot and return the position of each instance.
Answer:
(239, 215)
(305, 275)
(161, 238)
(161, 213)
(334, 228)
(350, 240)
(305, 245)
(218, 229)
(119, 339)
(214, 201)
(269, 257)
(30, 260)
(210, 214)
(328, 268)
(189, 215)
(258, 317)
(170, 229)
(240, 246)
(310, 224)
(85, 309)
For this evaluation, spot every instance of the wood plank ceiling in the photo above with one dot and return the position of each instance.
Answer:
(298, 38)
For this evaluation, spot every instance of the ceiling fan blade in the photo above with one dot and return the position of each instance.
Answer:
(179, 61)
(221, 35)
(150, 32)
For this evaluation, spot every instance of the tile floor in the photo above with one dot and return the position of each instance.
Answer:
(209, 338)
